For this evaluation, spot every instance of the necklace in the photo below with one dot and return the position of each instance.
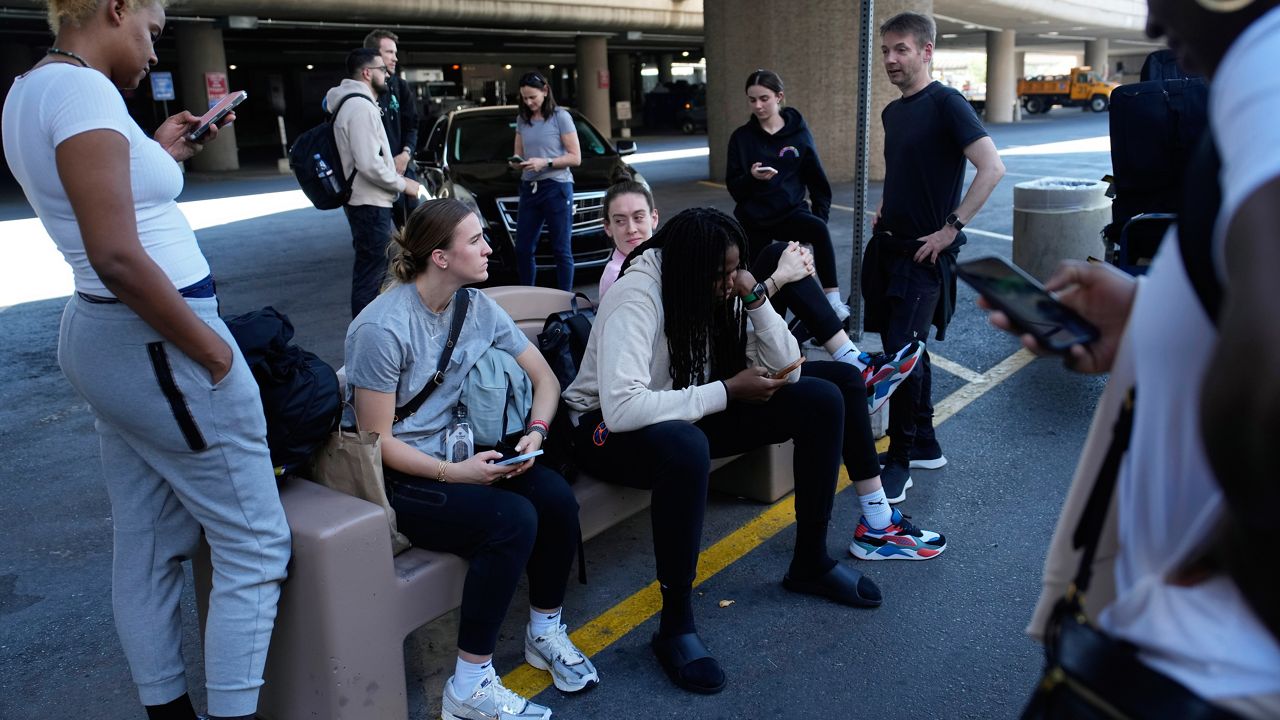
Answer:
(68, 53)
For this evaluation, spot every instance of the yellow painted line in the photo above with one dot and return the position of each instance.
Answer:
(624, 617)
(708, 183)
(956, 369)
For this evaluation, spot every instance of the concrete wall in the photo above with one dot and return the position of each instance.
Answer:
(813, 45)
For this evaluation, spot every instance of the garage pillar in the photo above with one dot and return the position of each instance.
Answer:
(1002, 83)
(593, 81)
(202, 69)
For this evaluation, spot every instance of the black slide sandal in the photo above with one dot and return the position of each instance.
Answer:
(677, 652)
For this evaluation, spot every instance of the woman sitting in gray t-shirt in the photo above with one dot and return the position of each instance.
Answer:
(503, 519)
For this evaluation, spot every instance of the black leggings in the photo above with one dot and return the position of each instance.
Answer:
(529, 521)
(910, 317)
(674, 460)
(801, 226)
(804, 297)
(859, 450)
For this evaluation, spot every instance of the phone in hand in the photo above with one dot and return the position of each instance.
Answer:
(766, 169)
(518, 458)
(1026, 303)
(216, 113)
(515, 159)
(788, 369)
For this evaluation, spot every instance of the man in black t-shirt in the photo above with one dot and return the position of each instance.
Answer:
(399, 118)
(930, 132)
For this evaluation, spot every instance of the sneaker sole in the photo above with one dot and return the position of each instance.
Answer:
(902, 496)
(930, 464)
(535, 660)
(861, 553)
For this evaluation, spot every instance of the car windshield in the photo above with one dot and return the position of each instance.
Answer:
(491, 138)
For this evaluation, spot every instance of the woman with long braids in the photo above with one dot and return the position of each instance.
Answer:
(673, 376)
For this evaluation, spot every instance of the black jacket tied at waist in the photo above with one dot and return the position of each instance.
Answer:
(888, 272)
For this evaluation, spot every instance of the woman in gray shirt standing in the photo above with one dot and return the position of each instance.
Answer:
(547, 143)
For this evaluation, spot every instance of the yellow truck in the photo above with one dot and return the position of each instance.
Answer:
(1082, 88)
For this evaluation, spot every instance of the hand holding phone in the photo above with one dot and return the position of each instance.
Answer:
(516, 460)
(515, 160)
(1027, 304)
(216, 113)
(788, 369)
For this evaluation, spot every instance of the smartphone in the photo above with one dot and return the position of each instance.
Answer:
(515, 159)
(216, 113)
(787, 370)
(518, 458)
(766, 168)
(1027, 304)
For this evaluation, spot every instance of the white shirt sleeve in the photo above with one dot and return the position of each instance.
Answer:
(86, 100)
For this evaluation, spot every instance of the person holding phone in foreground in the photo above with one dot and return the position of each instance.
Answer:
(673, 376)
(505, 519)
(178, 415)
(1197, 338)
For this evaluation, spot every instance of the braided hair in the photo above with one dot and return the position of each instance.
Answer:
(701, 328)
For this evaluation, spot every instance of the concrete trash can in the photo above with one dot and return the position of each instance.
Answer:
(1058, 218)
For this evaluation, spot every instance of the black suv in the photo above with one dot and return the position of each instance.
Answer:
(465, 157)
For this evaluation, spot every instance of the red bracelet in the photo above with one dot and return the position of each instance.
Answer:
(539, 423)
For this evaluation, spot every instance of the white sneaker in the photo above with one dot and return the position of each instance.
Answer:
(554, 652)
(490, 701)
(842, 311)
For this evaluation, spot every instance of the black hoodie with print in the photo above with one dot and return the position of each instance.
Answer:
(790, 151)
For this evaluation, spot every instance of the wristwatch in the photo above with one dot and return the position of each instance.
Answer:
(406, 149)
(549, 163)
(759, 292)
(954, 221)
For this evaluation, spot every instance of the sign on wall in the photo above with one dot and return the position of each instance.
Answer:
(162, 86)
(215, 86)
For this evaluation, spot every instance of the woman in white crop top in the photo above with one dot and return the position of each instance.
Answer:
(179, 419)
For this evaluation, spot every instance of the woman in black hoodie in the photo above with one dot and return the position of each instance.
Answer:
(772, 162)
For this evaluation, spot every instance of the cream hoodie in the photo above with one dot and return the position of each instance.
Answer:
(362, 144)
(626, 369)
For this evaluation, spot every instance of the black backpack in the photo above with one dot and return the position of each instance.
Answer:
(299, 390)
(563, 341)
(324, 185)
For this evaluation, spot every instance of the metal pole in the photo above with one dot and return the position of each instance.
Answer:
(860, 163)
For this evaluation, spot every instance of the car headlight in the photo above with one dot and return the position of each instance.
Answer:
(465, 197)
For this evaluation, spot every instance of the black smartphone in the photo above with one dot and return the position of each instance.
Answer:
(1027, 304)
(216, 113)
(515, 159)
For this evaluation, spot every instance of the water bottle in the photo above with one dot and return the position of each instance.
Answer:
(325, 173)
(460, 442)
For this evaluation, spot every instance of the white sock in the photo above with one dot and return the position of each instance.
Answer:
(541, 623)
(849, 353)
(875, 508)
(833, 297)
(467, 676)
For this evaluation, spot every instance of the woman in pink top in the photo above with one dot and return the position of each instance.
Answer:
(629, 219)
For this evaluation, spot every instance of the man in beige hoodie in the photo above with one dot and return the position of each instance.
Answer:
(362, 145)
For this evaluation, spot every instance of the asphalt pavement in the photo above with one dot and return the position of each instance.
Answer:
(948, 642)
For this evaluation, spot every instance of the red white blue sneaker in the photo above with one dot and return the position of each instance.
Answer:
(883, 374)
(899, 541)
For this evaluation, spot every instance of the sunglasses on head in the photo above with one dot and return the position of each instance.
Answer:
(533, 79)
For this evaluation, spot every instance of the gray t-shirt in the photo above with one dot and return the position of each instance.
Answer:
(541, 139)
(393, 345)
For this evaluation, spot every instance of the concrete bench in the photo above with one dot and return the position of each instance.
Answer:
(347, 606)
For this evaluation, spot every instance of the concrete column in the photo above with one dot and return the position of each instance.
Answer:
(664, 68)
(620, 83)
(1095, 56)
(1002, 83)
(593, 81)
(1019, 67)
(200, 51)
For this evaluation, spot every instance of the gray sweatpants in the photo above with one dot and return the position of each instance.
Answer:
(179, 455)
